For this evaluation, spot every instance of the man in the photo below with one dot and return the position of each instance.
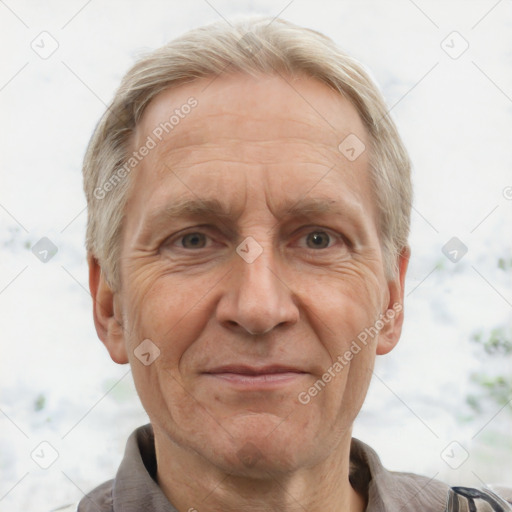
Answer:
(249, 201)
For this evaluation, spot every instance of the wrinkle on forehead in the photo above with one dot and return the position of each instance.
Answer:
(306, 106)
(236, 151)
(250, 133)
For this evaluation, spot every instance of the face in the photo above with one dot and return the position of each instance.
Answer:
(251, 262)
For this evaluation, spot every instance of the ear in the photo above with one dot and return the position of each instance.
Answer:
(108, 325)
(394, 316)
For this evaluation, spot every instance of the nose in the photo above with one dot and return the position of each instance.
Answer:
(257, 299)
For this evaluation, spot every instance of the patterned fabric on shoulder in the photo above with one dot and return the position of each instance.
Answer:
(489, 499)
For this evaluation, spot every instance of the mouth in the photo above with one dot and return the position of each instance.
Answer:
(256, 378)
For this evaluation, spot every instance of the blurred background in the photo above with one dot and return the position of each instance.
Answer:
(439, 404)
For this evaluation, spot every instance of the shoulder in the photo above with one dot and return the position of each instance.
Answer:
(98, 500)
(414, 491)
(390, 490)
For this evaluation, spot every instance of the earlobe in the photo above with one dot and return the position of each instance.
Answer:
(108, 327)
(393, 318)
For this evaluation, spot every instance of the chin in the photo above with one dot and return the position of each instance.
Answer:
(263, 445)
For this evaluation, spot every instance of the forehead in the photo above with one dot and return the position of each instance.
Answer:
(218, 131)
(297, 106)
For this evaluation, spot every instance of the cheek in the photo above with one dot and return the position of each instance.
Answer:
(341, 307)
(360, 375)
(168, 310)
(346, 383)
(342, 314)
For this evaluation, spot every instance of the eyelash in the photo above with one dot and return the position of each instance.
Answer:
(334, 237)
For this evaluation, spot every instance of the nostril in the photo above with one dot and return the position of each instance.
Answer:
(258, 333)
(253, 331)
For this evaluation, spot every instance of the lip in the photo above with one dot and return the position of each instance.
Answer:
(256, 378)
(254, 370)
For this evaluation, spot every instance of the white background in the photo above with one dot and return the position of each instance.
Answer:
(58, 384)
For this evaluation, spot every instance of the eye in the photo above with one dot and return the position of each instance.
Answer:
(193, 241)
(318, 240)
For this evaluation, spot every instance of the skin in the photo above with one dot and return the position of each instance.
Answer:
(257, 146)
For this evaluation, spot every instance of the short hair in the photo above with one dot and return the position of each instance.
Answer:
(253, 45)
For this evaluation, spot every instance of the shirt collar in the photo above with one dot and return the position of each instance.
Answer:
(135, 486)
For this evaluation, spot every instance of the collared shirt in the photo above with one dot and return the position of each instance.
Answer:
(134, 488)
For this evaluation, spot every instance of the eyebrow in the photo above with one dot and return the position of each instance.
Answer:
(213, 209)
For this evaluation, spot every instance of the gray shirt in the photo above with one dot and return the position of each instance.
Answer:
(134, 488)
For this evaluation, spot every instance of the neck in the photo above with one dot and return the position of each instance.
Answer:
(190, 482)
